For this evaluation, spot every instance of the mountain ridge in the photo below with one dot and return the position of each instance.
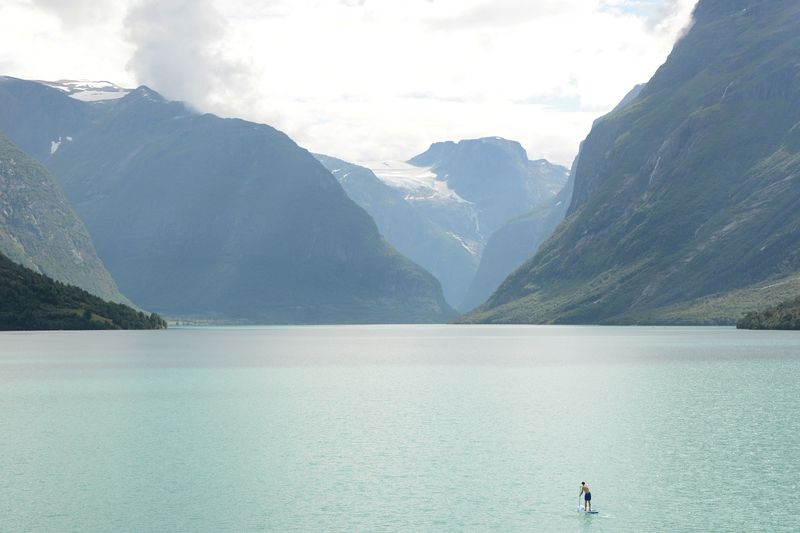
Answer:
(686, 192)
(442, 206)
(202, 217)
(406, 228)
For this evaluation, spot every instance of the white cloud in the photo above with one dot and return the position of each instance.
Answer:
(79, 13)
(42, 40)
(364, 79)
(179, 49)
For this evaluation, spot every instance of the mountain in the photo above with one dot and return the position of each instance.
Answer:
(442, 206)
(518, 239)
(434, 200)
(495, 176)
(89, 91)
(632, 95)
(39, 229)
(201, 217)
(40, 119)
(407, 228)
(32, 301)
(686, 200)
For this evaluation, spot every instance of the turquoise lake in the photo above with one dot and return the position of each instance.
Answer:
(400, 428)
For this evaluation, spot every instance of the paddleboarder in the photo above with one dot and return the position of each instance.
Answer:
(587, 497)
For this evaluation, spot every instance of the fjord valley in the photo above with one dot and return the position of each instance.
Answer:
(407, 228)
(202, 217)
(400, 247)
(684, 207)
(441, 207)
(680, 207)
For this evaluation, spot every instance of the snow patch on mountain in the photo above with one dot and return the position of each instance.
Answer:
(417, 183)
(55, 145)
(88, 91)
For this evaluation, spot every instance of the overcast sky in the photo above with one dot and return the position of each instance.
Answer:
(362, 79)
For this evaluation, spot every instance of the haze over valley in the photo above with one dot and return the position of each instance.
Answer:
(212, 219)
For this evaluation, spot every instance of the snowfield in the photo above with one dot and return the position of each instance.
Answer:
(96, 96)
(417, 183)
(88, 91)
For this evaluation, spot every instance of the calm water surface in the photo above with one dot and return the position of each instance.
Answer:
(400, 428)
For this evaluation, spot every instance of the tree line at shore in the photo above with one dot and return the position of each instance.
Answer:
(785, 315)
(32, 301)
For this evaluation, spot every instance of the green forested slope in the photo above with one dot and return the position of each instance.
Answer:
(785, 315)
(31, 301)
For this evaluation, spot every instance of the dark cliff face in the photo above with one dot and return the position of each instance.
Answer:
(198, 216)
(688, 191)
